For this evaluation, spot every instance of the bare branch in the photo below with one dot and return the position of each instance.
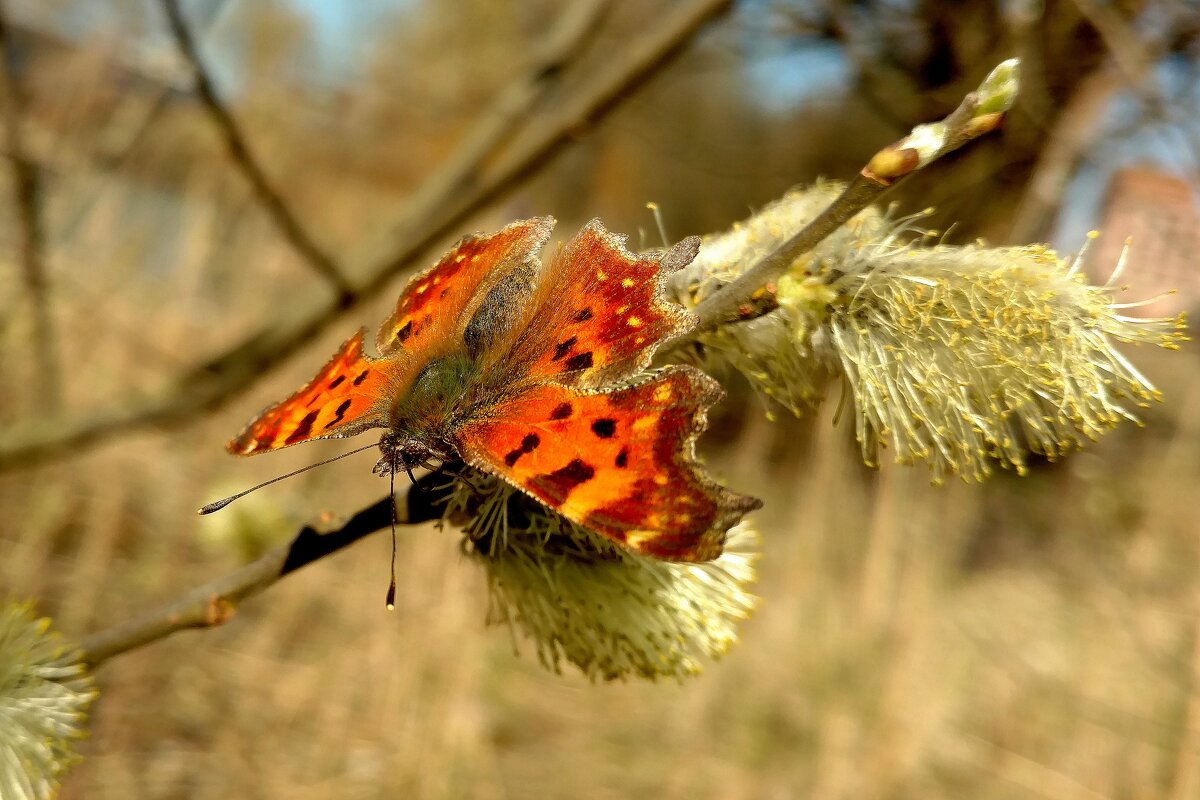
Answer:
(215, 602)
(235, 371)
(27, 200)
(1076, 130)
(980, 112)
(1128, 52)
(505, 116)
(1078, 126)
(320, 261)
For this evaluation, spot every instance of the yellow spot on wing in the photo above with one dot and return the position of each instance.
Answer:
(627, 283)
(634, 322)
(600, 275)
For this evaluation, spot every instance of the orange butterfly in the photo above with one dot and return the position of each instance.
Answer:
(532, 374)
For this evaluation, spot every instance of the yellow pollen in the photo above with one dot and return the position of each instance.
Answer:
(637, 538)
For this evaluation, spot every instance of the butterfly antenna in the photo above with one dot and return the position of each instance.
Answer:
(390, 602)
(218, 505)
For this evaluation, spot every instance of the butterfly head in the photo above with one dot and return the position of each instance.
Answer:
(403, 454)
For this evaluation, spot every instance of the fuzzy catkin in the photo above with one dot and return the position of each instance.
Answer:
(589, 602)
(960, 357)
(45, 692)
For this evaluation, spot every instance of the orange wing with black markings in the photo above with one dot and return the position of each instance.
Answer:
(437, 303)
(601, 313)
(345, 397)
(353, 391)
(619, 462)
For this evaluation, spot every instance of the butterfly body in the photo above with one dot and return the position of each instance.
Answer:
(535, 374)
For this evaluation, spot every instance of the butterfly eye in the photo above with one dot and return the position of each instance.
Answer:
(413, 454)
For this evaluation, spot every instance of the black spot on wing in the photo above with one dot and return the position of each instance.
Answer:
(362, 376)
(580, 361)
(562, 348)
(583, 315)
(341, 412)
(562, 411)
(623, 458)
(405, 331)
(558, 484)
(303, 429)
(604, 428)
(336, 382)
(528, 445)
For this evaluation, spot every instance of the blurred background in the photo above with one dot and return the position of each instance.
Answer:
(1035, 637)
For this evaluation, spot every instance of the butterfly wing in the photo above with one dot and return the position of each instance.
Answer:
(437, 303)
(342, 400)
(599, 312)
(353, 391)
(619, 463)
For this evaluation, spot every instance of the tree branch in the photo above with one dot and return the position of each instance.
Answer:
(215, 602)
(235, 371)
(26, 186)
(980, 112)
(1077, 128)
(320, 261)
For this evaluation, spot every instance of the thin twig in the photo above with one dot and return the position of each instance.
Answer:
(507, 113)
(1075, 131)
(215, 602)
(886, 169)
(235, 371)
(1128, 52)
(27, 200)
(283, 217)
(1078, 127)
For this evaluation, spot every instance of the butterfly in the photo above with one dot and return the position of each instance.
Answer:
(535, 373)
